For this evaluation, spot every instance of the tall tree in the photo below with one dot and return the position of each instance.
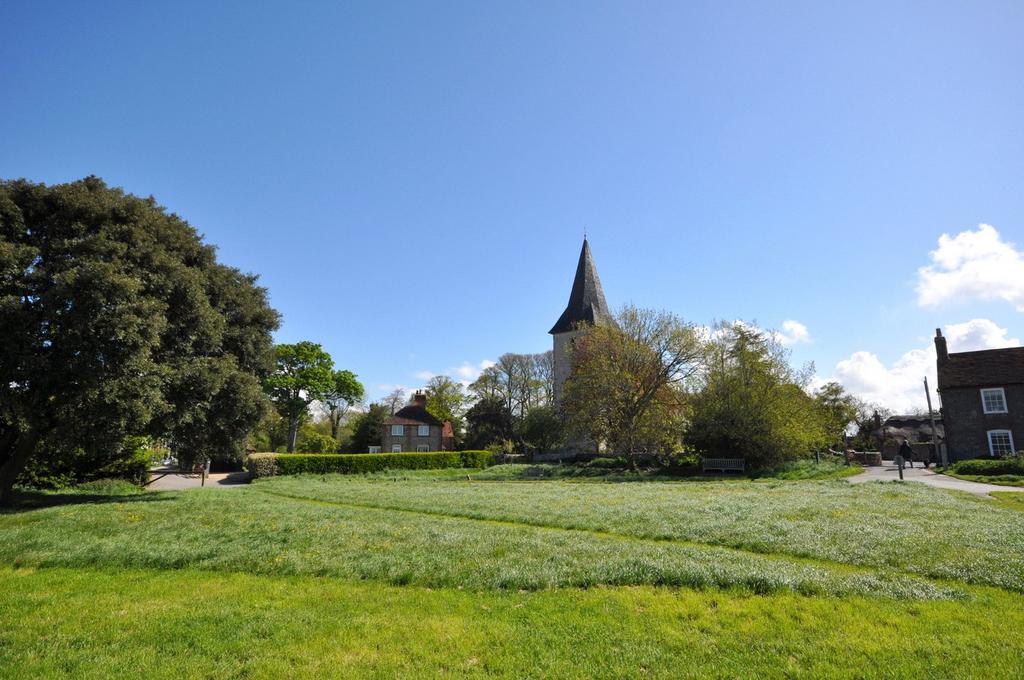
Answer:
(624, 389)
(751, 403)
(839, 411)
(303, 374)
(368, 428)
(346, 391)
(488, 421)
(117, 320)
(395, 400)
(446, 400)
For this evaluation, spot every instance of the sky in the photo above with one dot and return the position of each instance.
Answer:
(412, 180)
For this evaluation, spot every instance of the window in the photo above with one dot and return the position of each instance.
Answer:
(1000, 442)
(993, 400)
(423, 430)
(374, 449)
(397, 431)
(421, 448)
(396, 448)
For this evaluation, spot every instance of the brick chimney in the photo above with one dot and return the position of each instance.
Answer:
(940, 346)
(419, 399)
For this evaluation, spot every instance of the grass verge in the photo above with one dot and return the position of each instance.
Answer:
(85, 623)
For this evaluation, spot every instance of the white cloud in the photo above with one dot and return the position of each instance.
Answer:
(465, 373)
(792, 333)
(973, 265)
(899, 387)
(977, 334)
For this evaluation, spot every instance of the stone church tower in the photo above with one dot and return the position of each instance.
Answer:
(586, 307)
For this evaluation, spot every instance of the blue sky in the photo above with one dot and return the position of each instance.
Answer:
(412, 180)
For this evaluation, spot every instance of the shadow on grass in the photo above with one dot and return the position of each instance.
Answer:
(29, 499)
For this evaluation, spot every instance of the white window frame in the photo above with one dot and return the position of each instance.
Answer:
(1009, 435)
(423, 430)
(422, 448)
(1002, 395)
(397, 430)
(374, 449)
(396, 448)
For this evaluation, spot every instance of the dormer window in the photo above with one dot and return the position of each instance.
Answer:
(423, 430)
(993, 400)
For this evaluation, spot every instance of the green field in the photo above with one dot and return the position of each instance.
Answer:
(463, 573)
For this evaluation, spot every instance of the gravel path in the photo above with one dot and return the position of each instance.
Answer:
(888, 472)
(218, 480)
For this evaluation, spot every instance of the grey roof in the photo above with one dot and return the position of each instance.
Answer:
(586, 302)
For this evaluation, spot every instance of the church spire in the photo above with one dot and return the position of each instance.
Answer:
(586, 302)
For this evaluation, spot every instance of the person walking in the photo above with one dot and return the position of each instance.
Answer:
(907, 452)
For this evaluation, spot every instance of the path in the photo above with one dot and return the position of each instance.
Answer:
(217, 480)
(888, 472)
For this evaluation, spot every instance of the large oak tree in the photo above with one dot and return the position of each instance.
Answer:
(116, 319)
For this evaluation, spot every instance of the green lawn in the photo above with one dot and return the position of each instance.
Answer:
(433, 574)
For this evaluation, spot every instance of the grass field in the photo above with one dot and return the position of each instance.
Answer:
(456, 573)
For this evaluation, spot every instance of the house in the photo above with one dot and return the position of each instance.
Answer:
(917, 429)
(412, 428)
(982, 396)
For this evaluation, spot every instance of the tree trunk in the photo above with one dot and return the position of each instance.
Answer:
(12, 462)
(293, 435)
(335, 417)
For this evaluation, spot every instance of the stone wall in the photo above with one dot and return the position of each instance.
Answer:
(967, 424)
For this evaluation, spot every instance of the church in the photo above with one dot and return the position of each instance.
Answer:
(587, 307)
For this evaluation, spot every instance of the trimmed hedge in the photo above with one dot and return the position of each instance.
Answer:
(989, 466)
(270, 464)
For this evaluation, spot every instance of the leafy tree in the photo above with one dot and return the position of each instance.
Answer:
(839, 410)
(117, 320)
(368, 427)
(345, 392)
(487, 421)
(751, 402)
(446, 400)
(542, 429)
(304, 373)
(396, 400)
(311, 441)
(624, 388)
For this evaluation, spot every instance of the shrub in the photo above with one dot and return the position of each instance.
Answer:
(989, 466)
(269, 464)
(315, 442)
(608, 463)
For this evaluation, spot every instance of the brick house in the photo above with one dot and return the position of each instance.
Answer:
(412, 428)
(982, 396)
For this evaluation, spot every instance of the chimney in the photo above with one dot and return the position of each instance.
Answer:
(940, 346)
(419, 399)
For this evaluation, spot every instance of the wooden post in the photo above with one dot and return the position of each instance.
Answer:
(939, 455)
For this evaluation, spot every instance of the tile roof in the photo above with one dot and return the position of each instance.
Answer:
(989, 367)
(413, 414)
(586, 302)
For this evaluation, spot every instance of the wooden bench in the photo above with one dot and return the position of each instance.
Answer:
(724, 464)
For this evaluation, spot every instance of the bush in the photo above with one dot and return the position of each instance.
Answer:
(989, 466)
(608, 463)
(270, 464)
(315, 442)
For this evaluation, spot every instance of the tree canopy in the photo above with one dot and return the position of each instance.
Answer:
(116, 319)
(345, 391)
(303, 373)
(626, 384)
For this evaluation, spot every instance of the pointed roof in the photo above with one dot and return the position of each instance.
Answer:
(586, 302)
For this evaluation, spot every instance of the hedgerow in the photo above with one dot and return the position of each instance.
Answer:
(989, 466)
(271, 464)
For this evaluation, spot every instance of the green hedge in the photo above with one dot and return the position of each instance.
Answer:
(989, 466)
(270, 464)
